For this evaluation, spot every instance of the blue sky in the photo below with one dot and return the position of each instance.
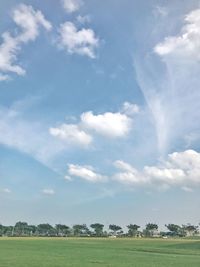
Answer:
(99, 111)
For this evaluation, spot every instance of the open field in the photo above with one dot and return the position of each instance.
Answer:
(85, 252)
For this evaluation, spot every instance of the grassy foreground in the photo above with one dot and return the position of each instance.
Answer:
(43, 252)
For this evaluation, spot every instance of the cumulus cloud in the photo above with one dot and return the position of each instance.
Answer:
(72, 5)
(71, 133)
(108, 124)
(181, 169)
(130, 178)
(86, 172)
(29, 21)
(130, 108)
(75, 41)
(166, 175)
(111, 125)
(120, 164)
(185, 160)
(128, 174)
(187, 43)
(48, 191)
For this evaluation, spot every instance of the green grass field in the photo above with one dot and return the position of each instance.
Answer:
(39, 252)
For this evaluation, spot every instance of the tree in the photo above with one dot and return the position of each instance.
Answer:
(62, 230)
(114, 228)
(98, 228)
(1, 229)
(20, 229)
(46, 229)
(133, 229)
(190, 230)
(151, 229)
(32, 230)
(175, 230)
(7, 230)
(80, 230)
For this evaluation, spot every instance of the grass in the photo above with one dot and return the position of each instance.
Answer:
(85, 252)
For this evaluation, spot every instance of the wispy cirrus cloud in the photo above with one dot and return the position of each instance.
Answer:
(45, 143)
(168, 78)
(14, 130)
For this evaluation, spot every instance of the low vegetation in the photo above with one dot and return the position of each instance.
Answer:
(93, 252)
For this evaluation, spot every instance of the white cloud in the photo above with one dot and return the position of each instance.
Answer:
(83, 19)
(4, 77)
(6, 190)
(130, 108)
(112, 125)
(108, 124)
(48, 191)
(68, 178)
(8, 54)
(166, 175)
(187, 43)
(171, 85)
(162, 11)
(189, 162)
(82, 42)
(71, 133)
(130, 178)
(130, 175)
(120, 164)
(29, 22)
(72, 5)
(85, 172)
(187, 189)
(185, 160)
(181, 169)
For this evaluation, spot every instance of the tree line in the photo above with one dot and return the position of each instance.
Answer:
(97, 230)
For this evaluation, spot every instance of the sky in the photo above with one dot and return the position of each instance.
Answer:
(100, 111)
